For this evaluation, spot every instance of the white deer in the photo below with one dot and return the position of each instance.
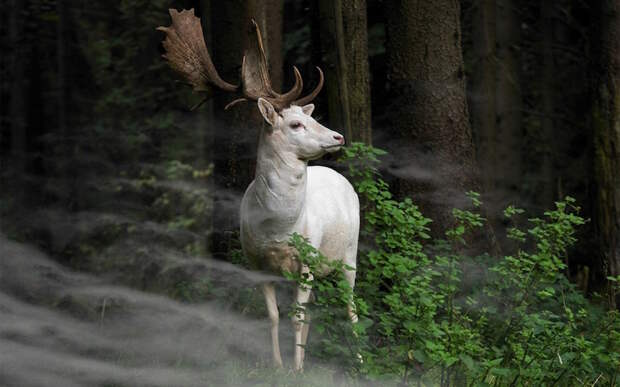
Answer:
(287, 196)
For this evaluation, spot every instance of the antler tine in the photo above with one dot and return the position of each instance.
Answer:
(255, 79)
(305, 100)
(279, 101)
(187, 52)
(296, 89)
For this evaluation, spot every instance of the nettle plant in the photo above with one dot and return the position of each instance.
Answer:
(521, 323)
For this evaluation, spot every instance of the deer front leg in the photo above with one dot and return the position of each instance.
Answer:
(299, 318)
(305, 330)
(269, 291)
(350, 277)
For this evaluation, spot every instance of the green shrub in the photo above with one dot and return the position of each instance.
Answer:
(521, 323)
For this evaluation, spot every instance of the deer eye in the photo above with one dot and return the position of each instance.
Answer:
(296, 125)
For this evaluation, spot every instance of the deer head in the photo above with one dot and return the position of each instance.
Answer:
(187, 54)
(293, 130)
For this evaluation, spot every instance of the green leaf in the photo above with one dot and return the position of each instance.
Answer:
(468, 361)
(494, 362)
(419, 356)
(500, 371)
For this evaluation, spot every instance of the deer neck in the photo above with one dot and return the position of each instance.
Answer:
(280, 181)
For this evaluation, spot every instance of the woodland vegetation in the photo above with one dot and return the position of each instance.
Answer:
(483, 140)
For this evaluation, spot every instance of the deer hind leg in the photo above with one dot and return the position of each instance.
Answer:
(269, 291)
(299, 321)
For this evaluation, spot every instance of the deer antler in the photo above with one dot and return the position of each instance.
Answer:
(187, 54)
(305, 100)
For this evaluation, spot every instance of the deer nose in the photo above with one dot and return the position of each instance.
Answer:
(339, 138)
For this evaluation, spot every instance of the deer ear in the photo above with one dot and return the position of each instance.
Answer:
(308, 109)
(266, 109)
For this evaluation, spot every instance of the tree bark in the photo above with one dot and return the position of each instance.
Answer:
(606, 128)
(344, 49)
(236, 130)
(429, 116)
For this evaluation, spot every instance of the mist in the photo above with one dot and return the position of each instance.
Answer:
(62, 328)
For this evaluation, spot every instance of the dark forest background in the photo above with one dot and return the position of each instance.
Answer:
(104, 168)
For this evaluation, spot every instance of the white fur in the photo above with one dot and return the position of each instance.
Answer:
(287, 196)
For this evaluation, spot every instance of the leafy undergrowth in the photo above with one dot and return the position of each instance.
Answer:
(432, 314)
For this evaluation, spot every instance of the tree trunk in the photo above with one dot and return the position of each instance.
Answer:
(61, 11)
(508, 103)
(207, 137)
(268, 14)
(64, 149)
(205, 120)
(606, 127)
(482, 100)
(548, 75)
(236, 130)
(429, 116)
(344, 46)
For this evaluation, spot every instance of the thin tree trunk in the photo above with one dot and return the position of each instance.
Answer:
(429, 115)
(482, 101)
(236, 130)
(206, 121)
(508, 103)
(344, 46)
(61, 68)
(17, 107)
(606, 127)
(65, 149)
(548, 75)
(207, 137)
